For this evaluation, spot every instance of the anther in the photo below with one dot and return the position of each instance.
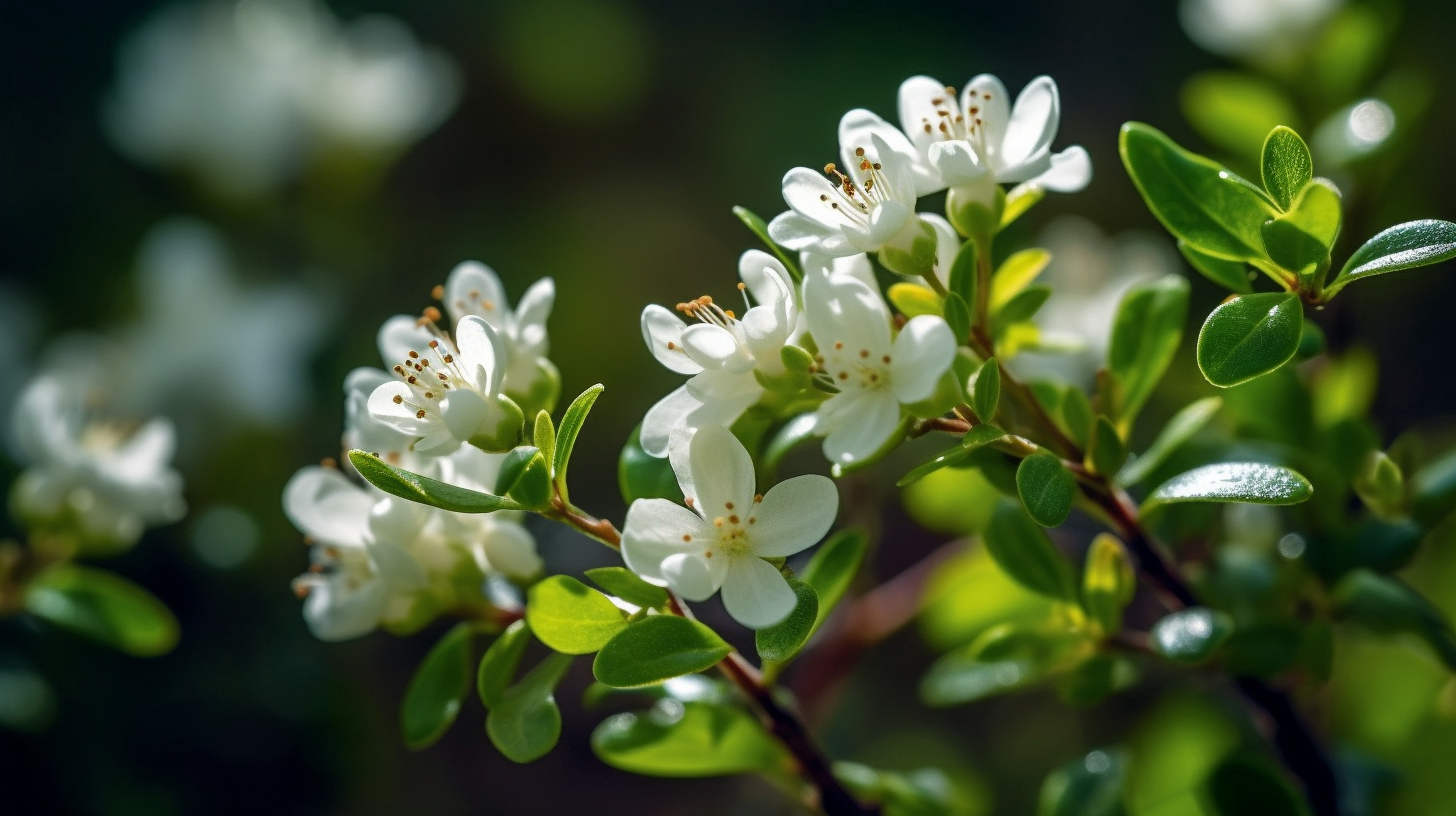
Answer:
(438, 293)
(687, 537)
(733, 519)
(420, 414)
(432, 314)
(449, 358)
(398, 399)
(414, 355)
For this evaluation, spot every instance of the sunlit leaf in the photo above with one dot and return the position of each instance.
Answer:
(571, 617)
(1250, 482)
(1248, 336)
(526, 724)
(694, 739)
(423, 489)
(656, 648)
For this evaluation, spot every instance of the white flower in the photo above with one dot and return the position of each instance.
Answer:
(722, 541)
(116, 481)
(446, 392)
(360, 575)
(875, 376)
(868, 206)
(474, 289)
(977, 141)
(721, 351)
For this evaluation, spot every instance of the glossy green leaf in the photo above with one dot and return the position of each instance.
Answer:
(1300, 240)
(433, 698)
(657, 648)
(1244, 783)
(1404, 246)
(1089, 785)
(1025, 553)
(958, 317)
(1249, 482)
(1021, 307)
(416, 488)
(543, 435)
(759, 227)
(694, 739)
(526, 724)
(985, 388)
(571, 423)
(832, 570)
(499, 664)
(103, 606)
(1019, 200)
(1285, 165)
(1179, 430)
(1231, 275)
(1108, 583)
(963, 272)
(975, 439)
(1106, 451)
(1234, 110)
(525, 476)
(1190, 635)
(1249, 336)
(780, 642)
(625, 584)
(570, 616)
(1046, 488)
(1198, 200)
(913, 300)
(641, 475)
(1015, 274)
(1145, 336)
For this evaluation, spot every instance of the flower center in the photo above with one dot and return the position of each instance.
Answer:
(731, 530)
(859, 368)
(952, 124)
(857, 194)
(432, 374)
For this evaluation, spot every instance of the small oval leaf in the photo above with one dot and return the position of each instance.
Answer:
(499, 663)
(780, 642)
(1249, 482)
(985, 388)
(692, 739)
(1024, 552)
(1248, 336)
(1404, 246)
(625, 584)
(527, 723)
(433, 698)
(105, 607)
(1285, 165)
(570, 616)
(657, 648)
(1046, 488)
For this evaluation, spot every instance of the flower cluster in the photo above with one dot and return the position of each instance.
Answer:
(446, 404)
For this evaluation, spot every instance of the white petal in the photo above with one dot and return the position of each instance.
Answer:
(363, 380)
(957, 163)
(947, 245)
(662, 418)
(887, 220)
(1071, 171)
(398, 337)
(400, 570)
(510, 549)
(535, 306)
(397, 415)
(714, 347)
(756, 594)
(145, 453)
(334, 611)
(800, 233)
(482, 354)
(923, 351)
(661, 329)
(860, 128)
(993, 112)
(466, 414)
(858, 424)
(855, 266)
(396, 520)
(804, 192)
(1033, 123)
(474, 289)
(689, 575)
(896, 170)
(765, 330)
(654, 530)
(843, 309)
(767, 280)
(722, 472)
(793, 516)
(322, 503)
(919, 115)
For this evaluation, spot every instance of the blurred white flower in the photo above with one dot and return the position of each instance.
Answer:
(243, 95)
(108, 479)
(205, 343)
(1260, 29)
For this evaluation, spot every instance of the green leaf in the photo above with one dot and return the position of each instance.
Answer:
(985, 388)
(499, 663)
(1228, 274)
(571, 423)
(1404, 246)
(1021, 198)
(1386, 605)
(1024, 552)
(525, 476)
(975, 439)
(527, 723)
(543, 435)
(625, 584)
(1021, 307)
(958, 317)
(1179, 429)
(794, 433)
(1300, 240)
(640, 475)
(570, 616)
(399, 482)
(1244, 784)
(1433, 490)
(963, 272)
(1107, 451)
(1191, 635)
(692, 739)
(1089, 785)
(1381, 486)
(1234, 110)
(1248, 336)
(1248, 482)
(780, 642)
(832, 569)
(1145, 336)
(913, 300)
(657, 648)
(1108, 583)
(1198, 200)
(759, 227)
(1015, 274)
(440, 683)
(1046, 488)
(1285, 165)
(104, 607)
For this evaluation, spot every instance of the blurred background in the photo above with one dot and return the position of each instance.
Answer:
(223, 201)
